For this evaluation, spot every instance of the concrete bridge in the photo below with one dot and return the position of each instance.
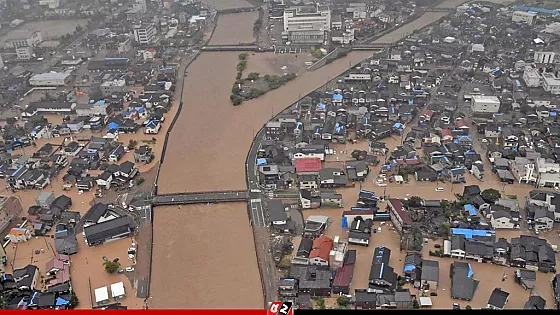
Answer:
(439, 9)
(365, 46)
(251, 48)
(238, 10)
(200, 197)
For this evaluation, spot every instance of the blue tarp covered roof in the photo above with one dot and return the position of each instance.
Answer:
(468, 233)
(261, 161)
(113, 125)
(470, 208)
(471, 273)
(337, 96)
(344, 223)
(60, 301)
(409, 268)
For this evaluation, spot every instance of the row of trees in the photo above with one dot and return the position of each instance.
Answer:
(235, 97)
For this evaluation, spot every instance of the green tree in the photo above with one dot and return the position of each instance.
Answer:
(235, 89)
(239, 75)
(253, 75)
(243, 56)
(254, 93)
(417, 238)
(132, 144)
(241, 65)
(491, 195)
(74, 301)
(342, 301)
(414, 201)
(321, 303)
(468, 307)
(415, 303)
(443, 228)
(111, 266)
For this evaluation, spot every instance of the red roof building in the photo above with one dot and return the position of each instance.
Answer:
(400, 219)
(322, 247)
(308, 165)
(343, 279)
(462, 124)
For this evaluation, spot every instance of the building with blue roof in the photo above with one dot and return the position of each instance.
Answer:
(469, 233)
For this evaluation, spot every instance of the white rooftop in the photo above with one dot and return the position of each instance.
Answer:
(117, 290)
(486, 98)
(50, 76)
(101, 295)
(425, 301)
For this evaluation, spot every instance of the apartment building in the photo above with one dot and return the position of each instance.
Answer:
(145, 34)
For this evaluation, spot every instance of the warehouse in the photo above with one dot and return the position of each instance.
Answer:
(50, 79)
(485, 104)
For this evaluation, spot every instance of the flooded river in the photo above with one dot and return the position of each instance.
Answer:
(242, 23)
(204, 256)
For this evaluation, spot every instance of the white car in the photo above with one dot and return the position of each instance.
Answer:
(439, 189)
(129, 269)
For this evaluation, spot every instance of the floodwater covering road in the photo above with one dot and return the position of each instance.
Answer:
(203, 256)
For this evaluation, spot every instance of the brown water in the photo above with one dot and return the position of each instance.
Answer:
(228, 4)
(204, 249)
(242, 23)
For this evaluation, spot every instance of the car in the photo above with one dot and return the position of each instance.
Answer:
(131, 256)
(439, 189)
(121, 271)
(437, 245)
(105, 258)
(129, 269)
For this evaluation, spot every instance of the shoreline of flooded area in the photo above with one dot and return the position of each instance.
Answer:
(237, 21)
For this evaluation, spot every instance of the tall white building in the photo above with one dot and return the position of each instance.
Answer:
(544, 57)
(145, 34)
(23, 38)
(522, 16)
(307, 24)
(141, 6)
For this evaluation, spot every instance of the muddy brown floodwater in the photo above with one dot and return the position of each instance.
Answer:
(228, 4)
(203, 256)
(242, 23)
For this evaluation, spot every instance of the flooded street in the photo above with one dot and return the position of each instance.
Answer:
(241, 22)
(203, 256)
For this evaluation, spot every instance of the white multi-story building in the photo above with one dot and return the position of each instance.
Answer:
(50, 79)
(307, 24)
(522, 16)
(145, 34)
(125, 44)
(23, 38)
(358, 10)
(544, 57)
(24, 53)
(52, 4)
(551, 83)
(532, 77)
(485, 104)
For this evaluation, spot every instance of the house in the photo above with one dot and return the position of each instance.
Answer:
(303, 251)
(430, 275)
(62, 203)
(364, 299)
(85, 183)
(152, 127)
(477, 170)
(502, 219)
(144, 154)
(544, 219)
(330, 199)
(287, 288)
(314, 280)
(26, 278)
(65, 240)
(535, 302)
(104, 180)
(44, 199)
(17, 235)
(126, 171)
(425, 175)
(456, 175)
(382, 278)
(116, 154)
(463, 284)
(277, 213)
(343, 279)
(332, 178)
(310, 166)
(498, 299)
(315, 225)
(403, 299)
(527, 279)
(307, 181)
(116, 228)
(72, 148)
(322, 247)
(357, 170)
(308, 200)
(412, 266)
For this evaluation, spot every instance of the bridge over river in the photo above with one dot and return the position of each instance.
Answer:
(201, 197)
